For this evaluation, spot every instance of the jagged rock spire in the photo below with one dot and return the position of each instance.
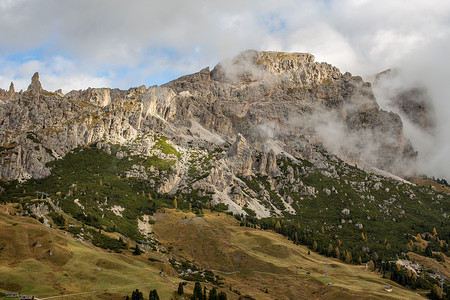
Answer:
(11, 91)
(35, 85)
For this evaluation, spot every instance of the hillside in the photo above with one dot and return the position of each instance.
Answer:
(276, 140)
(247, 260)
(44, 262)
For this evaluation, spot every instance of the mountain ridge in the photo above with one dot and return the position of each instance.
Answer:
(276, 140)
(248, 99)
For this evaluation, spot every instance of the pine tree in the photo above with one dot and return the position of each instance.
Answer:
(348, 257)
(198, 295)
(153, 295)
(180, 289)
(137, 295)
(330, 249)
(418, 238)
(337, 252)
(137, 250)
(408, 273)
(277, 226)
(212, 294)
(222, 296)
(436, 292)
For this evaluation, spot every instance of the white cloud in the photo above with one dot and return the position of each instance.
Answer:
(128, 42)
(56, 73)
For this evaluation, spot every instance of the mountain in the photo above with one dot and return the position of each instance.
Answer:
(279, 101)
(276, 139)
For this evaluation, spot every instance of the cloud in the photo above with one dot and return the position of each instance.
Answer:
(128, 43)
(56, 73)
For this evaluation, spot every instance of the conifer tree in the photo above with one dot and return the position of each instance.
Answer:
(337, 252)
(348, 257)
(137, 250)
(198, 295)
(418, 237)
(277, 226)
(180, 289)
(315, 246)
(137, 295)
(153, 295)
(222, 296)
(330, 249)
(212, 294)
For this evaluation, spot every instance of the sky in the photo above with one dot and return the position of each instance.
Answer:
(115, 43)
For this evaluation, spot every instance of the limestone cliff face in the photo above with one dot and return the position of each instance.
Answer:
(279, 103)
(41, 126)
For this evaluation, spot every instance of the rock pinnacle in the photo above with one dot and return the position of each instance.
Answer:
(35, 85)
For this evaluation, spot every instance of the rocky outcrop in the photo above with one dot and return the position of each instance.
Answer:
(277, 103)
(11, 91)
(240, 156)
(35, 85)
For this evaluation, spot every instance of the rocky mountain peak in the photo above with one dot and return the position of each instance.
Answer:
(286, 100)
(35, 85)
(288, 69)
(11, 91)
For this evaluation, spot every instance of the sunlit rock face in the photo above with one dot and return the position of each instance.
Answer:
(278, 103)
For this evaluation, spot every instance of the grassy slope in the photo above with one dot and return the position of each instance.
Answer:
(252, 260)
(249, 260)
(72, 267)
(421, 181)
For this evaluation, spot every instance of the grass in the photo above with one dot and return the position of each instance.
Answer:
(252, 260)
(166, 148)
(73, 266)
(247, 260)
